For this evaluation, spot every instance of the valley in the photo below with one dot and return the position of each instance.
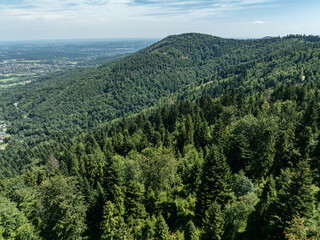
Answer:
(24, 62)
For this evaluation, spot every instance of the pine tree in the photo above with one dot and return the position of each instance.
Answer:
(181, 138)
(95, 212)
(189, 129)
(215, 182)
(201, 135)
(111, 179)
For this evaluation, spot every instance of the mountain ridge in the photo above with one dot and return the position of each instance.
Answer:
(89, 97)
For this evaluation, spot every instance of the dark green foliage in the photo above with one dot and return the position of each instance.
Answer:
(215, 182)
(61, 209)
(190, 233)
(234, 146)
(161, 229)
(243, 186)
(260, 222)
(213, 223)
(296, 196)
(134, 202)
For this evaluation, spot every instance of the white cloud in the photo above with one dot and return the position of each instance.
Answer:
(115, 17)
(258, 22)
(125, 8)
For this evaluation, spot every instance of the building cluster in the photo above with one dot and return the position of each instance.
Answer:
(13, 68)
(3, 133)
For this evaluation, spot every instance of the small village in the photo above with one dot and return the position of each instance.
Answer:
(3, 134)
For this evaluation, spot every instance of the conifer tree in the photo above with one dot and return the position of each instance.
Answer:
(113, 226)
(95, 212)
(213, 223)
(189, 129)
(260, 222)
(296, 198)
(215, 182)
(134, 208)
(161, 229)
(201, 135)
(61, 209)
(190, 233)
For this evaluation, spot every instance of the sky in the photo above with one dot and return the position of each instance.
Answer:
(86, 19)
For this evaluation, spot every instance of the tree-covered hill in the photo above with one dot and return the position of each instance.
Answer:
(88, 97)
(232, 153)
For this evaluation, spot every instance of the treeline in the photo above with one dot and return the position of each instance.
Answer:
(240, 166)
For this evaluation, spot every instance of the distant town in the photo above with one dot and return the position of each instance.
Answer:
(22, 63)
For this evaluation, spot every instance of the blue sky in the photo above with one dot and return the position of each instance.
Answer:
(64, 19)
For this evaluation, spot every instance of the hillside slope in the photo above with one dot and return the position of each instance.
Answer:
(86, 98)
(235, 156)
(244, 164)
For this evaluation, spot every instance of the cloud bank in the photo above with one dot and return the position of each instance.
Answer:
(125, 9)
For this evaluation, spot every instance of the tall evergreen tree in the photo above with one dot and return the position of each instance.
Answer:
(296, 198)
(261, 222)
(113, 226)
(161, 229)
(213, 223)
(190, 233)
(61, 209)
(215, 182)
(134, 208)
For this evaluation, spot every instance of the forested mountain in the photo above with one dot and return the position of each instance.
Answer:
(231, 153)
(82, 99)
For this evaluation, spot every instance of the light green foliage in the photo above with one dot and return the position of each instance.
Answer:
(157, 167)
(236, 215)
(298, 228)
(113, 226)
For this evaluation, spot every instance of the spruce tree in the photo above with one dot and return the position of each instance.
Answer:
(213, 223)
(190, 233)
(296, 198)
(112, 226)
(215, 182)
(134, 208)
(260, 223)
(161, 229)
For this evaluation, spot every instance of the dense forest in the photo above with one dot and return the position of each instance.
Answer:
(232, 152)
(87, 98)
